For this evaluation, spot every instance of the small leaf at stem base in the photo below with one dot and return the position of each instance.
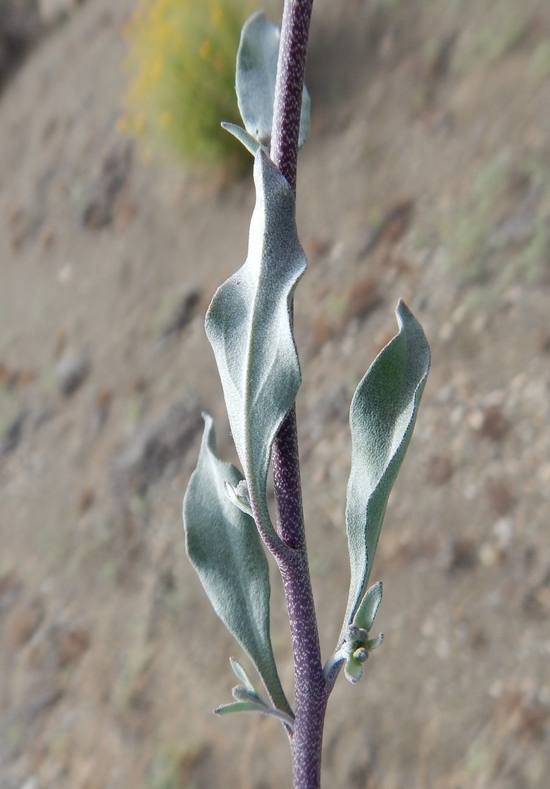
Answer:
(255, 80)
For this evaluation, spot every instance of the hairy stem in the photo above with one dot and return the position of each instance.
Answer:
(289, 86)
(309, 683)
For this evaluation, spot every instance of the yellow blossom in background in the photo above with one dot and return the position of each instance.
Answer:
(181, 67)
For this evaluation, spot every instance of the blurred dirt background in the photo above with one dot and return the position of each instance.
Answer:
(427, 177)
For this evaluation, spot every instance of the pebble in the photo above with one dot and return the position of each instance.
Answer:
(71, 372)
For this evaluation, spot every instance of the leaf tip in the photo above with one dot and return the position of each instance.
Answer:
(403, 313)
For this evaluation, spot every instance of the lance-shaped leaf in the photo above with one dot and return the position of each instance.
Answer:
(255, 80)
(366, 612)
(382, 417)
(226, 551)
(241, 674)
(255, 706)
(249, 700)
(249, 142)
(248, 325)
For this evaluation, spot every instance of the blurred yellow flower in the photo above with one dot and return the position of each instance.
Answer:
(181, 67)
(205, 49)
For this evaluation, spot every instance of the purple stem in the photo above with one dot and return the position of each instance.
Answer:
(289, 86)
(309, 683)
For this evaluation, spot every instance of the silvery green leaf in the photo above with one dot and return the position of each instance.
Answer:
(364, 616)
(242, 693)
(374, 643)
(252, 706)
(248, 325)
(240, 706)
(249, 142)
(255, 79)
(226, 551)
(238, 495)
(382, 417)
(353, 670)
(241, 674)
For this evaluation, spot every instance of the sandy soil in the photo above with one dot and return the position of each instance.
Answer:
(427, 177)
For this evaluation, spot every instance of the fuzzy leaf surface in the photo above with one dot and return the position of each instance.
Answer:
(248, 325)
(225, 549)
(241, 674)
(255, 79)
(239, 706)
(366, 611)
(249, 142)
(252, 706)
(382, 417)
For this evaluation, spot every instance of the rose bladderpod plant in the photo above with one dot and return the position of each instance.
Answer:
(227, 521)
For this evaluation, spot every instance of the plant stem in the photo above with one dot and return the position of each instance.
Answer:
(309, 683)
(289, 86)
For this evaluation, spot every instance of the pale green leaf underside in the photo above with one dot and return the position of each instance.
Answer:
(241, 674)
(239, 706)
(366, 611)
(252, 706)
(249, 142)
(255, 79)
(382, 417)
(225, 549)
(248, 325)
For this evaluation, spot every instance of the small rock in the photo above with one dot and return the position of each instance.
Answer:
(503, 530)
(30, 783)
(494, 424)
(15, 379)
(440, 469)
(20, 30)
(25, 622)
(103, 402)
(60, 343)
(440, 61)
(108, 185)
(477, 637)
(475, 420)
(316, 247)
(537, 600)
(154, 448)
(71, 373)
(500, 496)
(13, 434)
(343, 307)
(463, 555)
(393, 226)
(54, 11)
(361, 298)
(10, 587)
(86, 499)
(72, 643)
(46, 241)
(60, 645)
(183, 313)
(490, 554)
(446, 332)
